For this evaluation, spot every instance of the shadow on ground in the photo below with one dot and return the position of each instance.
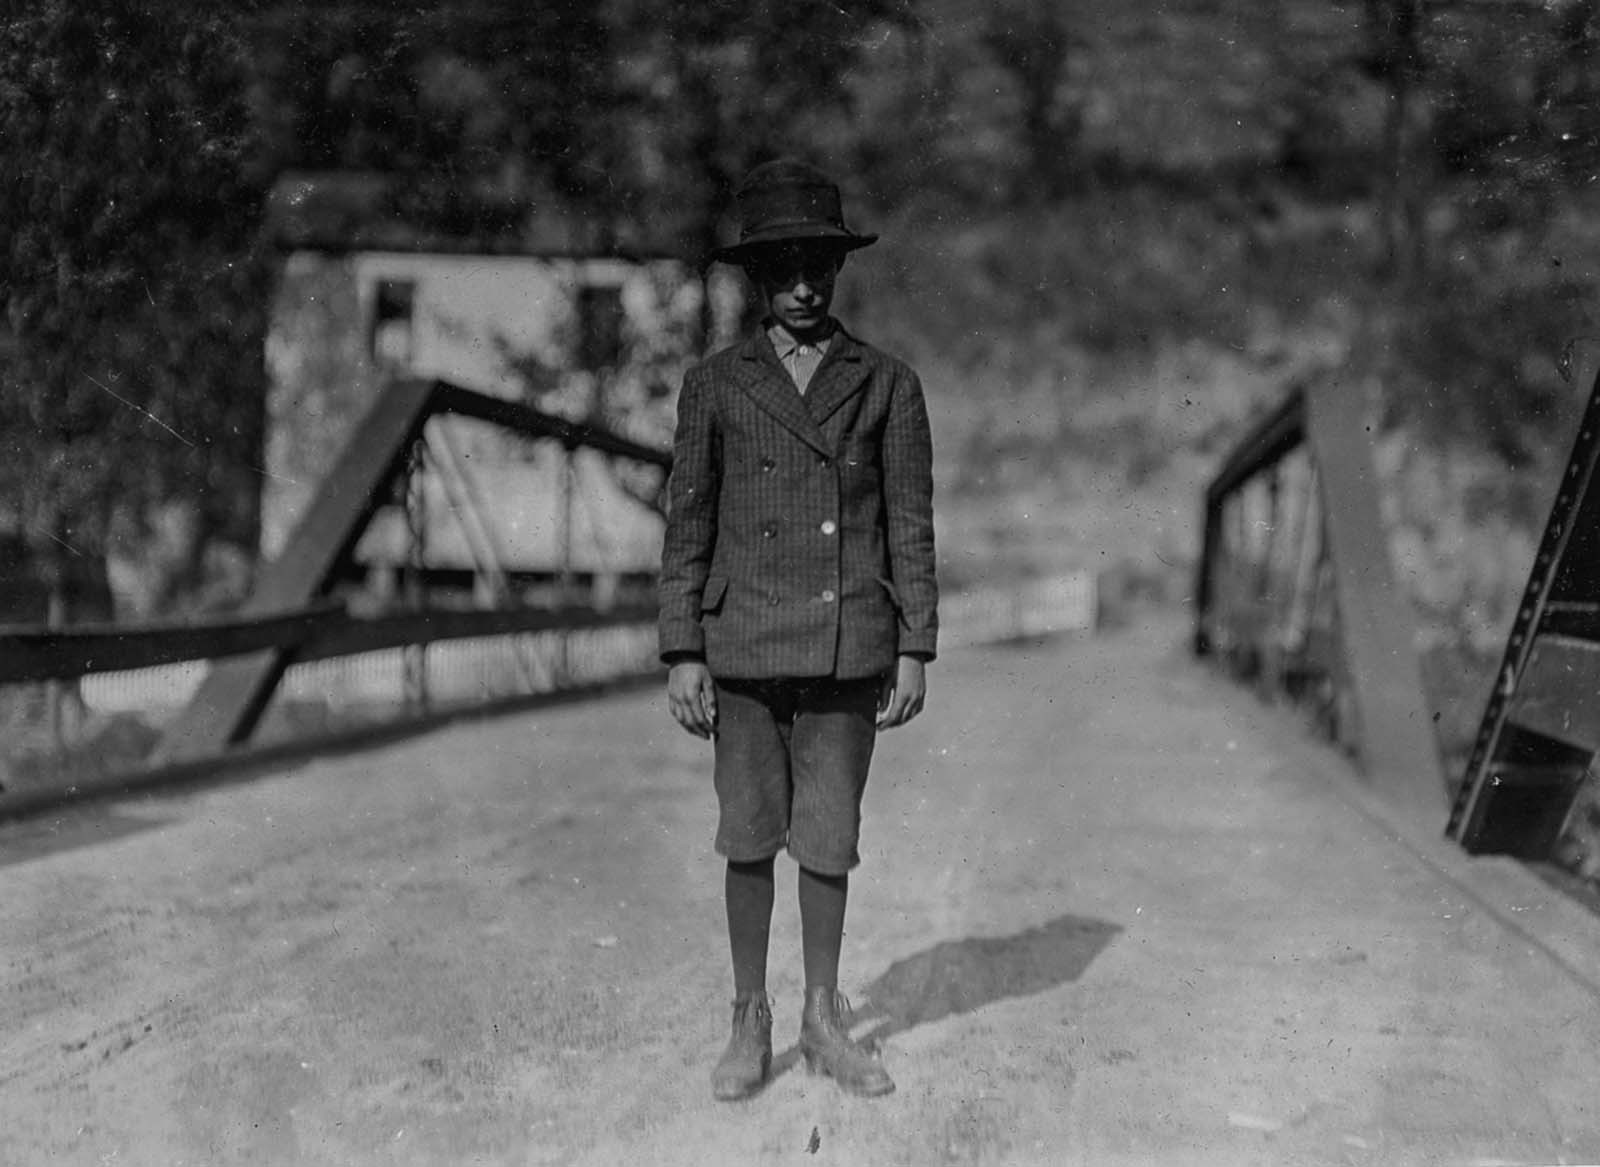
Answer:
(23, 840)
(962, 976)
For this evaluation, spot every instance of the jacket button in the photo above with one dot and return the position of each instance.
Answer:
(772, 598)
(769, 531)
(828, 596)
(829, 527)
(824, 461)
(768, 465)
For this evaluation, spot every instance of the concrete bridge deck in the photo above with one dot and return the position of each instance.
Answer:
(1112, 912)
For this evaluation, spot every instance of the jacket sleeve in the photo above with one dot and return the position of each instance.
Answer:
(908, 505)
(691, 535)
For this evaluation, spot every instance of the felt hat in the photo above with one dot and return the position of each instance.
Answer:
(788, 201)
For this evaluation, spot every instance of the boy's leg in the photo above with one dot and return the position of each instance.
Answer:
(745, 1063)
(822, 904)
(830, 750)
(752, 781)
(831, 746)
(748, 890)
(825, 1041)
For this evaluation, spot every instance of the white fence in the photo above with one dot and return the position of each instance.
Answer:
(1040, 607)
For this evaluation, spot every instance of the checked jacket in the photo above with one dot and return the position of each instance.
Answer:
(799, 537)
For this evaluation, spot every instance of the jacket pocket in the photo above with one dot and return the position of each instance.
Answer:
(712, 595)
(894, 598)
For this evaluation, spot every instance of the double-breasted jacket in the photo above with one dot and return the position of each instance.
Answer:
(799, 538)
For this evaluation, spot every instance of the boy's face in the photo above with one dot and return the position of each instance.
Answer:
(796, 281)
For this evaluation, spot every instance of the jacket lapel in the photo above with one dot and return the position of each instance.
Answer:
(764, 380)
(840, 375)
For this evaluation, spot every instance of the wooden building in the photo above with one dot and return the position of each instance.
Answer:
(546, 308)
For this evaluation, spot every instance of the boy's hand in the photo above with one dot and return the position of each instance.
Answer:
(692, 697)
(903, 693)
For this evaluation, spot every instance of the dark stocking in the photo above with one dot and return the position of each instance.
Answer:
(822, 900)
(749, 897)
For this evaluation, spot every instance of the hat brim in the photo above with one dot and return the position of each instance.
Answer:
(752, 246)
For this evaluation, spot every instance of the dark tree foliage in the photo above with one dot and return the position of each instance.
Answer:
(1033, 41)
(130, 269)
(138, 138)
(1514, 109)
(488, 96)
(707, 90)
(1505, 135)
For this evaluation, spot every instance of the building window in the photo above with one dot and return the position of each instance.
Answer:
(393, 340)
(600, 327)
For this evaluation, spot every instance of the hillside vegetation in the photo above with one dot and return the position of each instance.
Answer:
(1227, 233)
(1113, 232)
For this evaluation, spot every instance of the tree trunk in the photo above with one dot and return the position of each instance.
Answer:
(1396, 28)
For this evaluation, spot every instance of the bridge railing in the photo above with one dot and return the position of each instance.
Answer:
(1265, 608)
(1294, 593)
(1531, 786)
(308, 655)
(316, 652)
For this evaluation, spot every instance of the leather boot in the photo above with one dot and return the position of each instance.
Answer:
(745, 1063)
(826, 1046)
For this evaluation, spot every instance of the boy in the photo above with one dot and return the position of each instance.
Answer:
(798, 600)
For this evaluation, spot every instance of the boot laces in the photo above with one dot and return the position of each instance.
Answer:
(754, 1007)
(842, 1009)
